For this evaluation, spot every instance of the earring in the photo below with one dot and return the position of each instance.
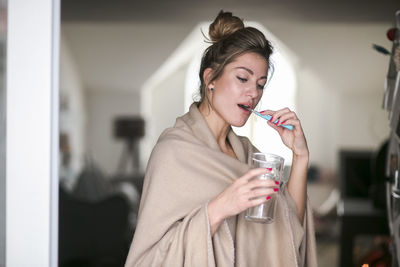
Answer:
(212, 89)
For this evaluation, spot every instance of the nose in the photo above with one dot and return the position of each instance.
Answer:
(252, 91)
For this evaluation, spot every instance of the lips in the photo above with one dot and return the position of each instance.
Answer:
(245, 106)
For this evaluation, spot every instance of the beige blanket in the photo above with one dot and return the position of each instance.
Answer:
(185, 171)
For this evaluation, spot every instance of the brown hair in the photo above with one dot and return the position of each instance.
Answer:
(230, 39)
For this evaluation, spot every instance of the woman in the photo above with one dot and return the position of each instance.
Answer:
(199, 182)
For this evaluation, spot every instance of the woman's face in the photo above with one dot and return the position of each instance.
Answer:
(242, 82)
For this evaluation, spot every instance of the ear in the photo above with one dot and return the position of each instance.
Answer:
(207, 76)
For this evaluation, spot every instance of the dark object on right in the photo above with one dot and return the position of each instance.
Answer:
(391, 103)
(355, 173)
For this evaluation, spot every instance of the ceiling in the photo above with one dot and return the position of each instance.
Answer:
(184, 11)
(118, 44)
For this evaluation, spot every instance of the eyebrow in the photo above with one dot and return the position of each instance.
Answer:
(251, 72)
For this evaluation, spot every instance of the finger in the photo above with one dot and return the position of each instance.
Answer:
(279, 113)
(294, 122)
(287, 116)
(258, 183)
(254, 173)
(282, 111)
(270, 113)
(258, 201)
(262, 192)
(276, 127)
(267, 112)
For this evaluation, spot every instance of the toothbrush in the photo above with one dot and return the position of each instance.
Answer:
(266, 117)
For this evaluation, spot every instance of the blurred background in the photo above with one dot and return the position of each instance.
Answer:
(129, 68)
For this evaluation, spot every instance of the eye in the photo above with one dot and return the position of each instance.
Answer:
(260, 86)
(243, 80)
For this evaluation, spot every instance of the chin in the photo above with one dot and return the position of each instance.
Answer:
(238, 124)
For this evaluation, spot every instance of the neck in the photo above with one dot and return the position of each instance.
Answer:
(217, 125)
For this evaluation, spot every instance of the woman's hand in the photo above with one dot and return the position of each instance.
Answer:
(242, 194)
(295, 139)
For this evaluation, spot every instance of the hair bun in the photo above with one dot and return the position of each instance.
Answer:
(224, 25)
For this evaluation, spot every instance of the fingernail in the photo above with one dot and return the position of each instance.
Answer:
(276, 189)
(269, 169)
(272, 119)
(268, 197)
(284, 122)
(276, 182)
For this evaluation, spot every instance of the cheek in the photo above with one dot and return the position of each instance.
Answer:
(225, 94)
(260, 94)
(223, 100)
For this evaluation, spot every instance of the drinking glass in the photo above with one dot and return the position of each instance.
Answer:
(264, 213)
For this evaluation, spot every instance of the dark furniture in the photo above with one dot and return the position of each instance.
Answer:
(355, 173)
(358, 216)
(357, 213)
(93, 233)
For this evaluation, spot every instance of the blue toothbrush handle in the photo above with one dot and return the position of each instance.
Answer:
(287, 126)
(268, 117)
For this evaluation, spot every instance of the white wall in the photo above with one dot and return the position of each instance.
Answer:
(73, 115)
(334, 120)
(315, 108)
(103, 107)
(366, 123)
(166, 100)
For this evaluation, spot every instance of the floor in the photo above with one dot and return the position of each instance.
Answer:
(328, 253)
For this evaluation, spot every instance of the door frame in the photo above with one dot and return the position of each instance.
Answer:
(32, 87)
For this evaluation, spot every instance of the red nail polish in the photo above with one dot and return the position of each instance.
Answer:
(276, 189)
(276, 182)
(284, 122)
(268, 197)
(269, 169)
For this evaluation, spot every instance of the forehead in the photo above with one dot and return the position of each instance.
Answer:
(255, 62)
